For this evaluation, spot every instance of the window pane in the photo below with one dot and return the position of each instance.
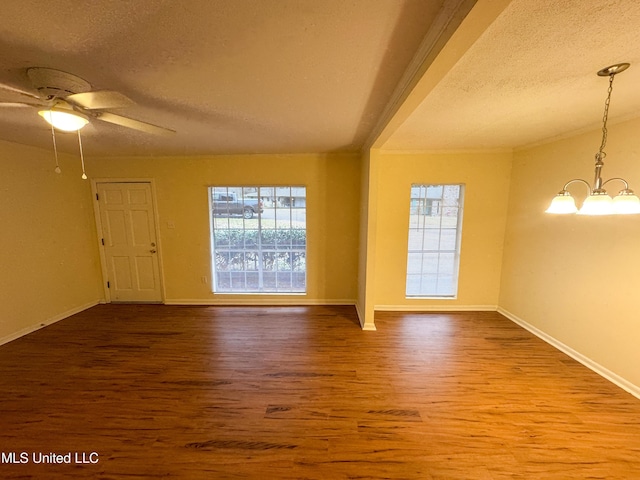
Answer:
(414, 265)
(430, 262)
(435, 223)
(258, 237)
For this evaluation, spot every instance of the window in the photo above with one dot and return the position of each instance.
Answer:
(435, 226)
(259, 238)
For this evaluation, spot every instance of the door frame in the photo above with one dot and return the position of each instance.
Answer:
(156, 221)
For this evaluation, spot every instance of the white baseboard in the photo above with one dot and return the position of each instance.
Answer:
(270, 302)
(367, 327)
(235, 301)
(586, 361)
(436, 308)
(56, 318)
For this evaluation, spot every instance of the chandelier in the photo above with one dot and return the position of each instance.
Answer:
(598, 202)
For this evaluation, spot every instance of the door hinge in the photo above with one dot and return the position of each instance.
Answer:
(97, 197)
(108, 284)
(102, 239)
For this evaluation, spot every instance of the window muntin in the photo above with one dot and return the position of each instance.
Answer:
(435, 228)
(258, 237)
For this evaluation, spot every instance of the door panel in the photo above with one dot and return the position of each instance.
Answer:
(141, 228)
(130, 241)
(116, 227)
(121, 274)
(144, 272)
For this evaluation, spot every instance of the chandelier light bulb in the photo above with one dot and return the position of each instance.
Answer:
(626, 203)
(562, 204)
(597, 204)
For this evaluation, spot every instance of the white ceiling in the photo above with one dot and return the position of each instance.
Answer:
(230, 76)
(291, 76)
(531, 76)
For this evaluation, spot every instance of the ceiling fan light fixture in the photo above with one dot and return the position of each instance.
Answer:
(63, 119)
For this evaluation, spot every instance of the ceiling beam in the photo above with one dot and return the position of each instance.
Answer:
(458, 25)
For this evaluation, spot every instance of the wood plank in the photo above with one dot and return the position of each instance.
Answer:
(303, 393)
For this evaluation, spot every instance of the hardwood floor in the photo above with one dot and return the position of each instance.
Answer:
(302, 393)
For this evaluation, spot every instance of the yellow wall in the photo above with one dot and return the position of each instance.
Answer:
(572, 278)
(50, 267)
(576, 278)
(486, 179)
(333, 185)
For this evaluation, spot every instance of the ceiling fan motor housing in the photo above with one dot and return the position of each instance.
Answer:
(56, 84)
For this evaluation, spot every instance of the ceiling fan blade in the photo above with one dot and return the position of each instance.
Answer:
(134, 124)
(19, 105)
(20, 91)
(100, 99)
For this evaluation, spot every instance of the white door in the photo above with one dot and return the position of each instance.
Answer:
(130, 241)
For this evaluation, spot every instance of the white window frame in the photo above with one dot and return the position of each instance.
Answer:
(434, 241)
(251, 266)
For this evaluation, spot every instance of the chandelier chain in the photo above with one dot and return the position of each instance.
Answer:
(605, 117)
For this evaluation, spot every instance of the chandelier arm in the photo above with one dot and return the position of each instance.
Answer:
(577, 180)
(626, 185)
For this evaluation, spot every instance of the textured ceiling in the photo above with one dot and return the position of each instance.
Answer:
(530, 77)
(291, 76)
(230, 76)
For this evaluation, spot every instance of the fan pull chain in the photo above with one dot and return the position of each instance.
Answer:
(84, 175)
(55, 150)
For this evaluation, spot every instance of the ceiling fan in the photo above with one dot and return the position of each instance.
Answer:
(68, 103)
